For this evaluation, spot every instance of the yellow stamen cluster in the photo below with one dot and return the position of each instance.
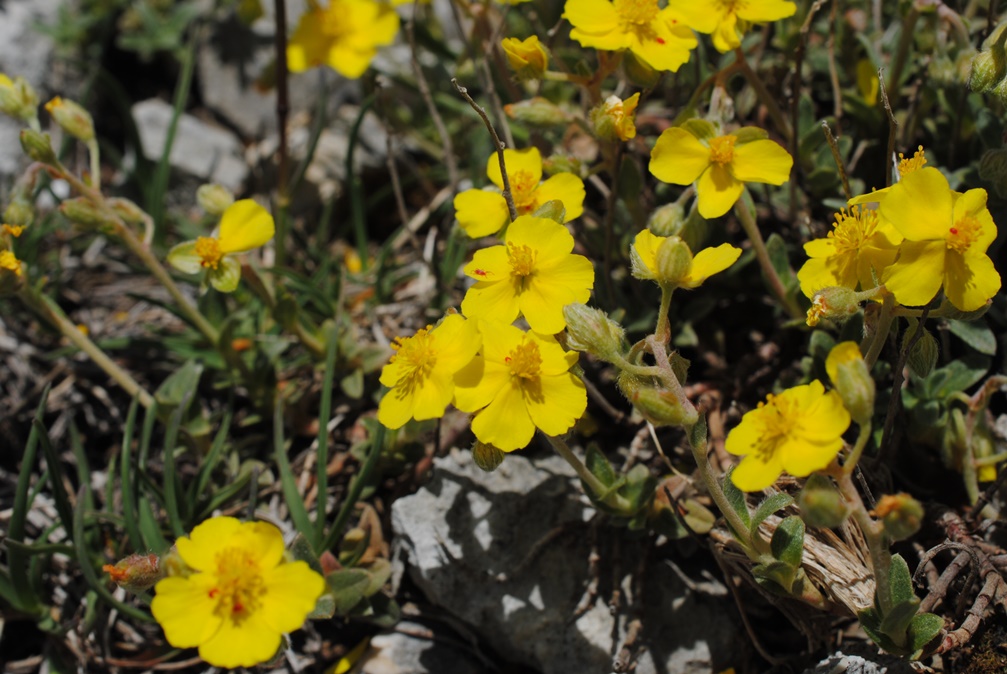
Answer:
(13, 230)
(239, 585)
(525, 361)
(639, 12)
(777, 424)
(915, 163)
(522, 187)
(722, 149)
(963, 234)
(419, 355)
(522, 260)
(8, 261)
(208, 249)
(853, 228)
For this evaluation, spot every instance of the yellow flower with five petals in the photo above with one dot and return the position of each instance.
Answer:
(522, 381)
(481, 212)
(725, 19)
(240, 596)
(657, 36)
(243, 226)
(719, 165)
(798, 431)
(534, 273)
(706, 263)
(421, 374)
(946, 237)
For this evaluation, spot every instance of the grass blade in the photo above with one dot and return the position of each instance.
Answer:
(170, 478)
(356, 487)
(295, 503)
(17, 562)
(127, 486)
(331, 332)
(59, 495)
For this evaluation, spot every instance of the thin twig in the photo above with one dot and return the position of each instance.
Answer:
(834, 146)
(282, 110)
(500, 146)
(893, 126)
(837, 91)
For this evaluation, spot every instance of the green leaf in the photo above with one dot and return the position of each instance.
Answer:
(787, 544)
(347, 586)
(923, 629)
(900, 581)
(749, 133)
(771, 505)
(324, 609)
(295, 502)
(179, 387)
(379, 571)
(871, 622)
(736, 498)
(976, 334)
(896, 621)
(385, 612)
(599, 466)
(301, 550)
(778, 573)
(777, 249)
(126, 485)
(17, 563)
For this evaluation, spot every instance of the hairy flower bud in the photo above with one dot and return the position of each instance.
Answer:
(136, 573)
(214, 198)
(592, 331)
(38, 146)
(19, 213)
(834, 303)
(127, 210)
(17, 98)
(821, 503)
(538, 111)
(72, 118)
(989, 66)
(657, 405)
(82, 211)
(527, 58)
(667, 220)
(674, 260)
(852, 380)
(487, 457)
(901, 514)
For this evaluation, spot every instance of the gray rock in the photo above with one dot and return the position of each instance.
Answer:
(507, 552)
(201, 150)
(414, 649)
(842, 663)
(26, 52)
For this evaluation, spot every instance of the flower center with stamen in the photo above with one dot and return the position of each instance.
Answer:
(417, 355)
(9, 262)
(335, 21)
(853, 228)
(915, 163)
(963, 234)
(208, 249)
(239, 586)
(522, 260)
(525, 361)
(640, 12)
(522, 187)
(722, 149)
(778, 422)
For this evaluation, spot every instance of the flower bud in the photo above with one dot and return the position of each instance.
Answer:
(834, 303)
(674, 260)
(17, 98)
(127, 210)
(638, 71)
(19, 213)
(657, 405)
(592, 331)
(667, 220)
(214, 198)
(487, 457)
(10, 263)
(82, 211)
(901, 514)
(72, 118)
(559, 163)
(922, 357)
(989, 66)
(539, 111)
(821, 503)
(615, 119)
(552, 209)
(852, 380)
(135, 573)
(527, 58)
(37, 146)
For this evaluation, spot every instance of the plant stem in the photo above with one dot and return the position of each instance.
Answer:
(51, 312)
(767, 99)
(663, 331)
(734, 521)
(762, 255)
(95, 156)
(851, 461)
(611, 499)
(874, 534)
(282, 110)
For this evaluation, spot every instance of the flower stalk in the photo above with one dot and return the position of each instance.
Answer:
(762, 255)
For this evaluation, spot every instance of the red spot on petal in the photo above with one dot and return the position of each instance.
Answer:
(238, 607)
(213, 593)
(660, 40)
(954, 230)
(480, 272)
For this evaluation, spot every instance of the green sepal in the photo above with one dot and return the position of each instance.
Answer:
(554, 210)
(183, 257)
(700, 128)
(787, 544)
(749, 133)
(226, 276)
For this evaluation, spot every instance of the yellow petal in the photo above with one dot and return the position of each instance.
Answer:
(759, 11)
(199, 550)
(717, 191)
(307, 46)
(917, 274)
(595, 24)
(496, 300)
(800, 459)
(562, 402)
(243, 226)
(678, 157)
(241, 645)
(645, 246)
(826, 418)
(708, 262)
(291, 592)
(505, 422)
(919, 206)
(754, 474)
(726, 37)
(491, 264)
(970, 280)
(815, 274)
(477, 384)
(761, 161)
(184, 609)
(663, 45)
(565, 187)
(481, 213)
(262, 540)
(396, 408)
(702, 17)
(528, 160)
(546, 294)
(973, 204)
(550, 240)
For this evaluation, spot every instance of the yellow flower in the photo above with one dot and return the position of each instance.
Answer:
(528, 58)
(903, 168)
(345, 35)
(243, 226)
(481, 213)
(13, 230)
(616, 118)
(719, 165)
(798, 431)
(721, 17)
(645, 257)
(657, 36)
(855, 252)
(421, 373)
(533, 273)
(241, 595)
(9, 262)
(521, 382)
(947, 234)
